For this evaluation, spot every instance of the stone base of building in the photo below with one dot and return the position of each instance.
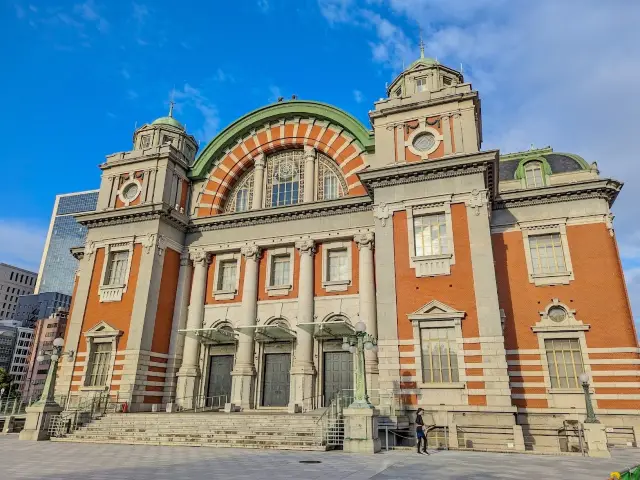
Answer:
(36, 425)
(361, 430)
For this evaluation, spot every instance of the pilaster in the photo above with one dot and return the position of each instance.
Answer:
(309, 172)
(259, 164)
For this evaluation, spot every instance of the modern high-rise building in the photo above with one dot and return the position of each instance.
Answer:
(58, 266)
(20, 359)
(39, 305)
(14, 282)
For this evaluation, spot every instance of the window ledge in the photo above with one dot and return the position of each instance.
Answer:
(559, 278)
(565, 391)
(441, 386)
(225, 294)
(336, 285)
(93, 389)
(111, 293)
(432, 265)
(278, 290)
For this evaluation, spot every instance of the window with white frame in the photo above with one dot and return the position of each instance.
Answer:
(280, 270)
(331, 183)
(421, 84)
(564, 359)
(547, 255)
(117, 268)
(430, 235)
(285, 178)
(337, 264)
(228, 275)
(99, 365)
(439, 355)
(241, 197)
(533, 175)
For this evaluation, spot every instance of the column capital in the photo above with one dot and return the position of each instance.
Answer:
(364, 240)
(259, 161)
(306, 247)
(201, 257)
(184, 259)
(309, 153)
(253, 252)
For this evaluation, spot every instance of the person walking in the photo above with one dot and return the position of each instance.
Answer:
(421, 433)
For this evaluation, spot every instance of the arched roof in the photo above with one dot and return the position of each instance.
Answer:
(290, 108)
(553, 162)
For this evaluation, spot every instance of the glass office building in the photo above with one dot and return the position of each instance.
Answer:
(58, 266)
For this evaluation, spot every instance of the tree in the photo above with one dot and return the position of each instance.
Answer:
(5, 380)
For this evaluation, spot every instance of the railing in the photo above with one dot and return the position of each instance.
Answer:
(568, 438)
(12, 406)
(201, 403)
(84, 412)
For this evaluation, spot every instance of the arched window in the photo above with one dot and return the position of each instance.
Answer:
(241, 196)
(285, 178)
(533, 175)
(331, 184)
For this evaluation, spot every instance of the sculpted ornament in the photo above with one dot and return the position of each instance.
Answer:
(201, 257)
(184, 259)
(382, 212)
(364, 240)
(89, 249)
(252, 252)
(478, 199)
(148, 241)
(306, 247)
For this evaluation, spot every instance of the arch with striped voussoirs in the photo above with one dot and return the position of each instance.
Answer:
(281, 126)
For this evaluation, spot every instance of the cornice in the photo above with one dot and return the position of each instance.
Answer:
(606, 189)
(163, 152)
(139, 213)
(398, 174)
(404, 107)
(282, 214)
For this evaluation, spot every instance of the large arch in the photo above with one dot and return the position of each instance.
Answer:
(283, 125)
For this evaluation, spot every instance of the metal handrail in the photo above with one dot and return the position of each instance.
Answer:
(201, 403)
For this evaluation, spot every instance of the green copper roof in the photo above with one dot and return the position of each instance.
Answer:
(425, 62)
(168, 121)
(287, 109)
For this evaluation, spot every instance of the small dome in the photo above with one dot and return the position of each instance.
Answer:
(423, 62)
(168, 121)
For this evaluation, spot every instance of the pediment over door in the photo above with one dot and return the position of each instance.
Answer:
(102, 329)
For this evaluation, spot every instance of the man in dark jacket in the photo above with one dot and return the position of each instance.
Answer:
(421, 432)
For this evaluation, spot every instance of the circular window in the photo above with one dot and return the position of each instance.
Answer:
(286, 171)
(557, 314)
(129, 192)
(424, 141)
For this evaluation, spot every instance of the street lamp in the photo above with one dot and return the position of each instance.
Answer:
(47, 397)
(591, 416)
(358, 343)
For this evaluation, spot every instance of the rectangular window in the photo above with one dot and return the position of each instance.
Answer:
(145, 141)
(446, 81)
(280, 268)
(439, 355)
(166, 139)
(565, 362)
(431, 235)
(337, 264)
(99, 365)
(117, 268)
(421, 84)
(227, 276)
(398, 92)
(533, 175)
(547, 255)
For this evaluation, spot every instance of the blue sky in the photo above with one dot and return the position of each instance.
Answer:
(79, 75)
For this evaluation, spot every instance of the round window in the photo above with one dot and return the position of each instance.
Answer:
(424, 141)
(129, 192)
(286, 171)
(557, 314)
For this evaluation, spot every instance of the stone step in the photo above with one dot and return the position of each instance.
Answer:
(314, 439)
(265, 446)
(210, 433)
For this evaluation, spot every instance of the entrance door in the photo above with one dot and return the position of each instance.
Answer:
(219, 380)
(338, 374)
(276, 380)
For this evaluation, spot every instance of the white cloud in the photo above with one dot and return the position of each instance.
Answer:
(193, 97)
(22, 243)
(140, 12)
(222, 76)
(263, 5)
(549, 72)
(132, 94)
(357, 96)
(89, 11)
(275, 93)
(125, 73)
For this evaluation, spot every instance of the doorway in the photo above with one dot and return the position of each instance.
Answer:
(220, 367)
(275, 392)
(338, 374)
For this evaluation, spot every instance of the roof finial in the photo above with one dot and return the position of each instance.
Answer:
(171, 102)
(421, 45)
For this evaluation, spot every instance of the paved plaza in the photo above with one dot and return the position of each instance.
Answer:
(70, 461)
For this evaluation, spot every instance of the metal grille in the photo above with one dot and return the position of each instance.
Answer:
(331, 184)
(241, 197)
(565, 362)
(285, 178)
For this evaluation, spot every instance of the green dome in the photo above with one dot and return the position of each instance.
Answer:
(172, 122)
(425, 62)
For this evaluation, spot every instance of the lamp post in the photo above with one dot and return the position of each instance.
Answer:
(47, 397)
(591, 416)
(358, 343)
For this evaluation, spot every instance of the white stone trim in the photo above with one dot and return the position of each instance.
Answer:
(220, 294)
(544, 227)
(100, 333)
(569, 324)
(336, 285)
(279, 290)
(113, 293)
(432, 265)
(133, 181)
(423, 128)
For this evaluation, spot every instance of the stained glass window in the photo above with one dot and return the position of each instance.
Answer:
(285, 178)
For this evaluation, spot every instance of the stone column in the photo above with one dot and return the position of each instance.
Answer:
(367, 306)
(258, 181)
(244, 371)
(303, 371)
(176, 342)
(189, 372)
(309, 173)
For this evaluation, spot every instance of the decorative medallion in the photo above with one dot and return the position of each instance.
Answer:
(286, 171)
(424, 141)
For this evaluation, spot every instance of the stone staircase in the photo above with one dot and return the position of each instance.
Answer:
(265, 430)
